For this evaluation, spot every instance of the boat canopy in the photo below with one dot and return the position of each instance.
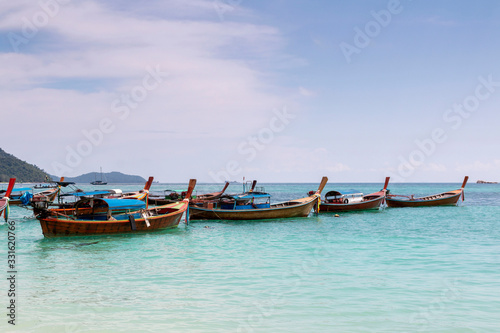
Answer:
(248, 196)
(337, 193)
(112, 204)
(104, 209)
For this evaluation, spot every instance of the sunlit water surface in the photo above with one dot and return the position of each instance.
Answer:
(393, 270)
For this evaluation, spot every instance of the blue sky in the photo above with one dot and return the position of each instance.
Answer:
(279, 91)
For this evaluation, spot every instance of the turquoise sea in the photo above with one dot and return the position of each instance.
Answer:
(393, 270)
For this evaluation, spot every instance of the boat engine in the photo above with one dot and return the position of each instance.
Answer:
(40, 205)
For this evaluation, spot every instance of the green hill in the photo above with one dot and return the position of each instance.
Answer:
(11, 166)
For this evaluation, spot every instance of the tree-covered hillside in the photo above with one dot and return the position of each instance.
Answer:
(11, 166)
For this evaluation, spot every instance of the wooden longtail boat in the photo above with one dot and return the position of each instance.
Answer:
(111, 216)
(15, 196)
(210, 196)
(345, 202)
(246, 207)
(139, 195)
(169, 196)
(23, 196)
(449, 198)
(4, 202)
(173, 196)
(48, 195)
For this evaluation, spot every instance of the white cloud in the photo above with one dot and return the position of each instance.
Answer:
(68, 75)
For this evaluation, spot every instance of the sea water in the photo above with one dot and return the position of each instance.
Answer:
(434, 269)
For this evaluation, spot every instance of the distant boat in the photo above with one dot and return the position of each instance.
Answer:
(347, 201)
(449, 198)
(99, 182)
(485, 182)
(254, 206)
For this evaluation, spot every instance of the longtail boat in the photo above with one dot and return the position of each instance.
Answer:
(336, 201)
(210, 196)
(254, 206)
(23, 196)
(4, 202)
(48, 195)
(139, 195)
(170, 196)
(17, 193)
(167, 197)
(449, 198)
(111, 216)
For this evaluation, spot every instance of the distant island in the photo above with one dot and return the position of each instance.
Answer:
(114, 177)
(484, 182)
(13, 167)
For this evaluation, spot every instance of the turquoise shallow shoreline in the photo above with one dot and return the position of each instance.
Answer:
(394, 270)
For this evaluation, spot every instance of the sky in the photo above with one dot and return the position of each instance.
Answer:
(278, 91)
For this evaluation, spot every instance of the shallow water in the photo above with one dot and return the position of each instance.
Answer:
(433, 269)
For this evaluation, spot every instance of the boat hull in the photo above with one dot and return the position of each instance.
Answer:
(357, 206)
(294, 208)
(451, 200)
(56, 227)
(3, 204)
